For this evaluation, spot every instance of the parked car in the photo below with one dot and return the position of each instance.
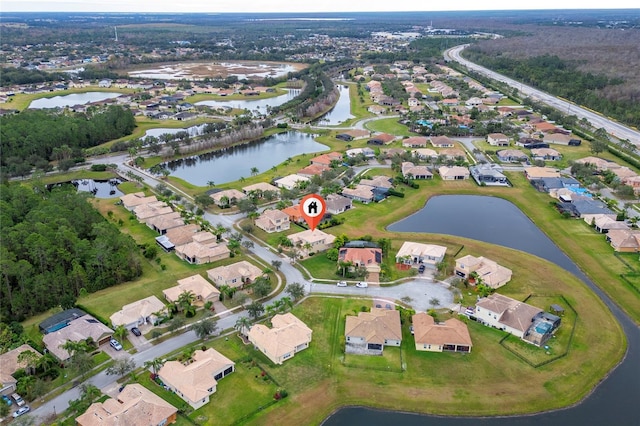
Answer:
(411, 329)
(362, 284)
(115, 344)
(342, 284)
(18, 399)
(20, 411)
(136, 331)
(421, 268)
(6, 399)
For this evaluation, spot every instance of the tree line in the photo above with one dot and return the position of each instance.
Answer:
(55, 247)
(563, 78)
(32, 138)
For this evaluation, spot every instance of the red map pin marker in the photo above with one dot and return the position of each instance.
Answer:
(313, 208)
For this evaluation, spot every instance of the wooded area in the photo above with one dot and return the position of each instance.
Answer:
(32, 138)
(55, 246)
(591, 66)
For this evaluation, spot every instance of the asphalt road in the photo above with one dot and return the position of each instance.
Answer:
(420, 291)
(616, 129)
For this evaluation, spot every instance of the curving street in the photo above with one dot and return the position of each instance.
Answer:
(616, 129)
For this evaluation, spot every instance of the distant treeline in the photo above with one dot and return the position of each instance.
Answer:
(562, 78)
(16, 76)
(420, 51)
(55, 246)
(35, 137)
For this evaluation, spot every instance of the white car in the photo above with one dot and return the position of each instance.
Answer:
(362, 284)
(115, 344)
(342, 284)
(21, 411)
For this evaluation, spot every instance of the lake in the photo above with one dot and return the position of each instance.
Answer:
(231, 164)
(494, 220)
(99, 188)
(72, 99)
(158, 131)
(341, 112)
(253, 104)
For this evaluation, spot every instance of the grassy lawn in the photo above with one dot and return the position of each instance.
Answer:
(555, 346)
(389, 125)
(322, 378)
(390, 361)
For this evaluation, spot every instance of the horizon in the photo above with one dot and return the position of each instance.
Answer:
(287, 7)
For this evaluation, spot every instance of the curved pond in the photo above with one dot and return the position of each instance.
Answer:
(233, 163)
(72, 99)
(341, 112)
(254, 104)
(613, 402)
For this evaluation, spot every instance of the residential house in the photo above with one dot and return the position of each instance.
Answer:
(453, 173)
(61, 319)
(415, 254)
(498, 139)
(488, 174)
(511, 156)
(561, 139)
(135, 405)
(450, 336)
(366, 152)
(79, 329)
(369, 258)
(327, 160)
(337, 204)
(312, 170)
(486, 270)
(546, 154)
(143, 311)
(287, 337)
(623, 173)
(294, 213)
(227, 197)
(624, 240)
(441, 142)
(369, 332)
(535, 172)
(131, 201)
(195, 381)
(147, 211)
(202, 289)
(236, 275)
(452, 154)
(182, 234)
(260, 189)
(425, 153)
(347, 137)
(604, 223)
(312, 241)
(361, 193)
(378, 183)
(415, 142)
(525, 321)
(381, 139)
(203, 248)
(163, 223)
(357, 133)
(411, 171)
(272, 220)
(581, 206)
(290, 181)
(9, 364)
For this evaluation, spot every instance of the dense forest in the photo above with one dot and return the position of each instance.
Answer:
(596, 67)
(32, 138)
(56, 246)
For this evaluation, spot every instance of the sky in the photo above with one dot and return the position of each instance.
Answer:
(266, 6)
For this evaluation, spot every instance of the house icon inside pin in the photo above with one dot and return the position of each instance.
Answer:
(313, 207)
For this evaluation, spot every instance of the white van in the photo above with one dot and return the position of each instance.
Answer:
(362, 284)
(18, 399)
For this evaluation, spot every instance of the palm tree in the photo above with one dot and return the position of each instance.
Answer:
(186, 299)
(211, 183)
(75, 348)
(227, 292)
(286, 303)
(30, 358)
(242, 325)
(155, 365)
(120, 332)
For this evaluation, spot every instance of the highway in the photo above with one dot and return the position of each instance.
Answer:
(616, 129)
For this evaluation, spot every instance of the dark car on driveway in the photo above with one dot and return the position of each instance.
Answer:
(136, 331)
(421, 268)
